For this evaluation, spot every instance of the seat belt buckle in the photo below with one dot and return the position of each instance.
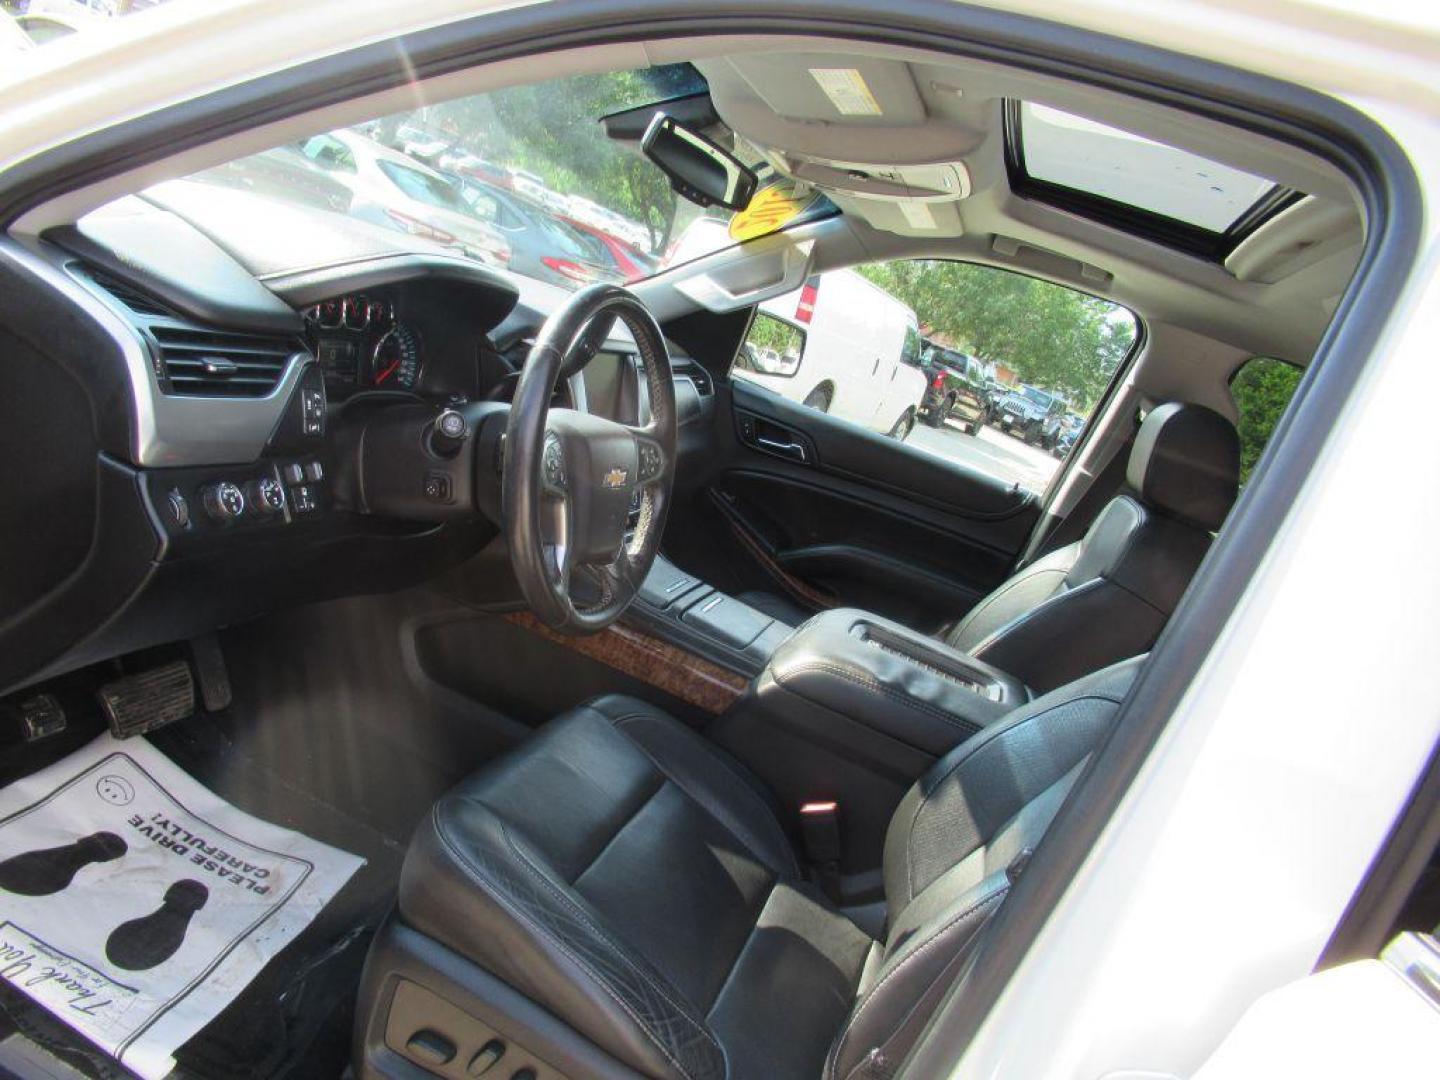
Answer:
(820, 833)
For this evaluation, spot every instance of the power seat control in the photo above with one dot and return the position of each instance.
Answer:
(266, 495)
(224, 502)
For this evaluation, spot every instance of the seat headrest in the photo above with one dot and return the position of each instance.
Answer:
(1186, 463)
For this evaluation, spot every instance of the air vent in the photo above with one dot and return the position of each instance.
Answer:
(698, 375)
(219, 363)
(128, 295)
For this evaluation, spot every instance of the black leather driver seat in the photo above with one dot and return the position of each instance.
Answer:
(1108, 595)
(618, 897)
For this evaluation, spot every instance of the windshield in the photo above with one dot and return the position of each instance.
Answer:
(550, 194)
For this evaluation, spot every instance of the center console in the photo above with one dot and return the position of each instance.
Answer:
(899, 684)
(851, 709)
(681, 609)
(845, 711)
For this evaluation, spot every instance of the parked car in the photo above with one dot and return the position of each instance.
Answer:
(1061, 432)
(855, 352)
(629, 261)
(391, 189)
(13, 38)
(1023, 412)
(956, 386)
(283, 173)
(474, 167)
(541, 247)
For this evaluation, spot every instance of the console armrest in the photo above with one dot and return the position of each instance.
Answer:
(891, 679)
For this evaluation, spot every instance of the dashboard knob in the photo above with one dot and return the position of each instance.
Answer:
(266, 495)
(224, 502)
(448, 433)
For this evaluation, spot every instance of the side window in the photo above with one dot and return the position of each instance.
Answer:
(1262, 390)
(910, 350)
(985, 368)
(481, 205)
(772, 350)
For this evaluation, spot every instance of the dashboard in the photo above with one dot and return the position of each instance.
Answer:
(184, 376)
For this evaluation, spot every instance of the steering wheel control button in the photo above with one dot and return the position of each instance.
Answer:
(652, 463)
(437, 487)
(552, 465)
(224, 502)
(178, 508)
(266, 495)
(314, 471)
(293, 474)
(430, 1048)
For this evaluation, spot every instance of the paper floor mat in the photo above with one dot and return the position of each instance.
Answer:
(135, 905)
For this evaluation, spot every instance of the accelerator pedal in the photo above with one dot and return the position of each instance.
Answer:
(210, 672)
(140, 703)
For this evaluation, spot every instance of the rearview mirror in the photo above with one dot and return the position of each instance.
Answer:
(699, 170)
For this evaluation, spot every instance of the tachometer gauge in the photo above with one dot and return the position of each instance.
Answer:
(395, 363)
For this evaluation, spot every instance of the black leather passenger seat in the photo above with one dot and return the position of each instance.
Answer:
(1108, 595)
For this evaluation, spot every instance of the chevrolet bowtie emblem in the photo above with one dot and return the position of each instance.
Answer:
(615, 478)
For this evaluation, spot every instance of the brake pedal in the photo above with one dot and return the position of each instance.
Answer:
(140, 703)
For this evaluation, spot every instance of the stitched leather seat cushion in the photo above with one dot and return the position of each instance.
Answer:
(628, 876)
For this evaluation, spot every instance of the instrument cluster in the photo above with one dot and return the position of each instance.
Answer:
(361, 344)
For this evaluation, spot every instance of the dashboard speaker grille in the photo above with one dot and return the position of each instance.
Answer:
(220, 363)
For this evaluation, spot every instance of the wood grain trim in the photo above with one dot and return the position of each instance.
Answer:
(666, 667)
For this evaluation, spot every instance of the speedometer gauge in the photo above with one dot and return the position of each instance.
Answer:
(395, 363)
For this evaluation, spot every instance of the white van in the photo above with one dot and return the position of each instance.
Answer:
(843, 345)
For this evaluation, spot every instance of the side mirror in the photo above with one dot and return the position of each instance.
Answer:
(704, 173)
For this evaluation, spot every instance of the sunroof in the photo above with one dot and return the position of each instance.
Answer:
(1094, 159)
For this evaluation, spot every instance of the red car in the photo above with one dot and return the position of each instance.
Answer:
(627, 258)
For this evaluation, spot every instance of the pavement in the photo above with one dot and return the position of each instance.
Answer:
(989, 451)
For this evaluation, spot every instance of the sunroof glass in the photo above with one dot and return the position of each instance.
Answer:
(1071, 151)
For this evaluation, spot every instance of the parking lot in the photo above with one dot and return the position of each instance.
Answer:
(989, 451)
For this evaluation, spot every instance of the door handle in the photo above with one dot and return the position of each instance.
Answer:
(793, 450)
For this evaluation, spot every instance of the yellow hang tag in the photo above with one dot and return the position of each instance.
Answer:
(772, 208)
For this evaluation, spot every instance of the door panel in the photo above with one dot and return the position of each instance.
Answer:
(804, 503)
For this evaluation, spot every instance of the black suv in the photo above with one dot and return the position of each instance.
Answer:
(955, 386)
(1025, 411)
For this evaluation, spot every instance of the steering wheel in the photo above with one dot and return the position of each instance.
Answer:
(569, 478)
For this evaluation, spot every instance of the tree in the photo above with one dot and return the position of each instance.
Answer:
(1051, 336)
(553, 130)
(1262, 390)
